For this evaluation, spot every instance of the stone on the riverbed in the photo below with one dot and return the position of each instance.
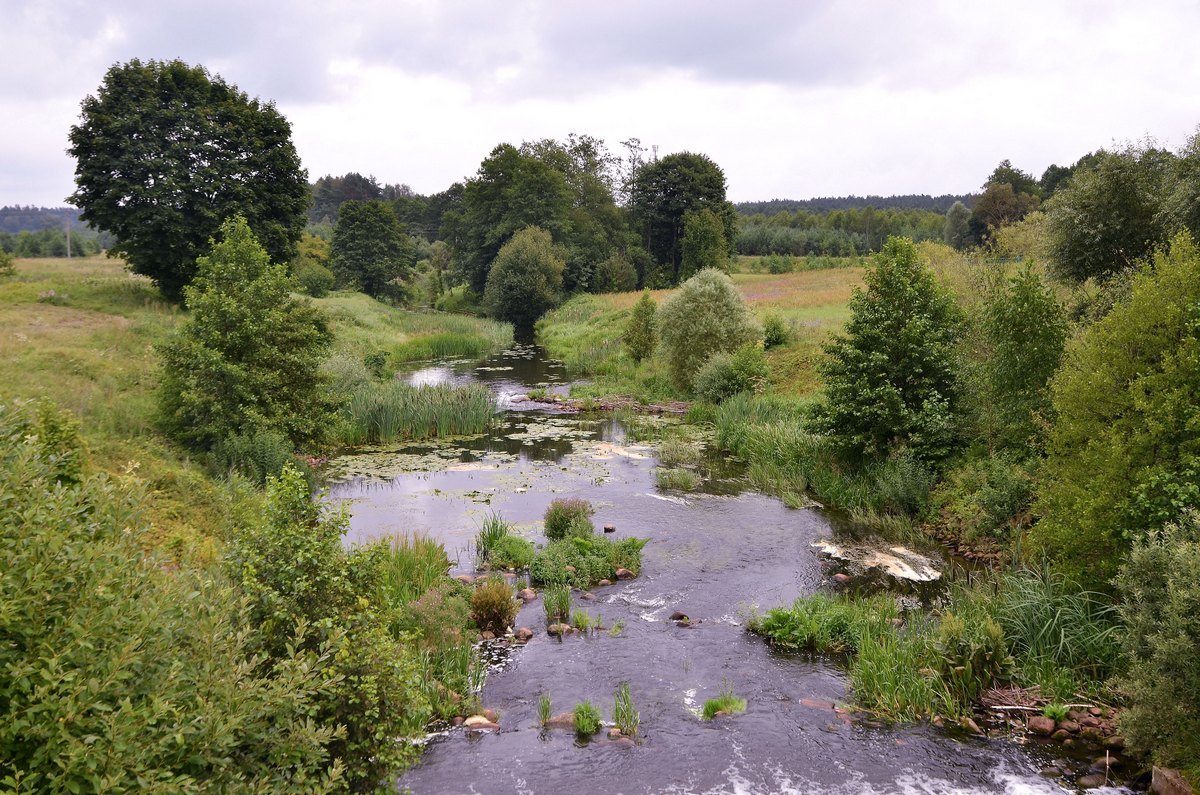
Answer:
(1115, 742)
(679, 615)
(524, 634)
(559, 629)
(1091, 781)
(587, 595)
(563, 720)
(1166, 781)
(970, 725)
(476, 720)
(614, 733)
(1060, 735)
(604, 582)
(491, 715)
(527, 594)
(1069, 725)
(610, 528)
(841, 578)
(624, 742)
(624, 574)
(1041, 724)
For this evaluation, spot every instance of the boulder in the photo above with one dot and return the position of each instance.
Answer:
(624, 574)
(524, 634)
(610, 528)
(1069, 725)
(527, 594)
(1091, 781)
(1041, 724)
(563, 720)
(1166, 781)
(587, 596)
(604, 582)
(679, 616)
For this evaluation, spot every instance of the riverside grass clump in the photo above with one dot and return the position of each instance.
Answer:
(726, 703)
(1025, 628)
(676, 479)
(556, 601)
(625, 715)
(408, 567)
(581, 562)
(497, 548)
(494, 606)
(587, 719)
(393, 411)
(566, 517)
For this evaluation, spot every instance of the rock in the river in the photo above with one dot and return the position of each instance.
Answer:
(1091, 781)
(1041, 724)
(679, 615)
(476, 720)
(1166, 781)
(1115, 742)
(524, 634)
(563, 720)
(491, 715)
(624, 574)
(587, 596)
(604, 582)
(1069, 725)
(560, 629)
(614, 733)
(897, 561)
(527, 594)
(610, 528)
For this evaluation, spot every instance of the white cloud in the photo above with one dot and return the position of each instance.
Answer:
(792, 99)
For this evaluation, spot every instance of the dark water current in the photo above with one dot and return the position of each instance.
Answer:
(714, 555)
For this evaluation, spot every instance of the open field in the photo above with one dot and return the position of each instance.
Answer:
(586, 331)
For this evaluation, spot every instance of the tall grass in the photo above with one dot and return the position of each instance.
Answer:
(625, 715)
(391, 411)
(556, 599)
(824, 623)
(410, 566)
(491, 533)
(444, 345)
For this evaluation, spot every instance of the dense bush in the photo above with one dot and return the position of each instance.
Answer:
(985, 497)
(563, 515)
(890, 379)
(1122, 453)
(6, 264)
(704, 244)
(120, 673)
(725, 375)
(255, 455)
(776, 331)
(641, 334)
(313, 278)
(295, 573)
(705, 316)
(615, 274)
(779, 263)
(526, 278)
(248, 357)
(1160, 586)
(493, 607)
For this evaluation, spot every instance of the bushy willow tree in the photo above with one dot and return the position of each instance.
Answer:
(889, 380)
(247, 359)
(707, 315)
(526, 279)
(166, 152)
(1124, 451)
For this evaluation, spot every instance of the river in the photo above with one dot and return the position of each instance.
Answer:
(715, 554)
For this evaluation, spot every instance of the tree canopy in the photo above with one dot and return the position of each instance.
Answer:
(526, 279)
(705, 316)
(247, 358)
(370, 249)
(664, 191)
(889, 380)
(165, 153)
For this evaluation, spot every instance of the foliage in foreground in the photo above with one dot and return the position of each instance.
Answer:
(1160, 584)
(117, 674)
(248, 359)
(1123, 457)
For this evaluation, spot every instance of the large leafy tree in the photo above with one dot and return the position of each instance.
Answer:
(166, 152)
(1124, 451)
(664, 191)
(510, 192)
(1108, 216)
(526, 279)
(889, 380)
(704, 243)
(371, 249)
(247, 359)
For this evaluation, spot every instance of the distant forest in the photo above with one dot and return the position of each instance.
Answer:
(913, 201)
(41, 232)
(35, 219)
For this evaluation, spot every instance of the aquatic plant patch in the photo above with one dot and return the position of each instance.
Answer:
(380, 413)
(582, 562)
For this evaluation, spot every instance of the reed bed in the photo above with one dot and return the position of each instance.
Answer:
(391, 411)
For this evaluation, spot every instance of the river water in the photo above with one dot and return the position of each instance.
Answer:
(716, 555)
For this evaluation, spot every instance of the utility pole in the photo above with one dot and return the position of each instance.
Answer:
(68, 235)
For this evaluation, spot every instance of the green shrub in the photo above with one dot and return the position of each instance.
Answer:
(492, 532)
(677, 479)
(1121, 455)
(593, 558)
(7, 268)
(248, 357)
(824, 623)
(776, 331)
(986, 497)
(615, 274)
(779, 263)
(625, 715)
(706, 315)
(376, 362)
(641, 334)
(587, 719)
(493, 606)
(1160, 585)
(725, 375)
(124, 673)
(409, 566)
(1056, 712)
(313, 278)
(971, 655)
(256, 455)
(890, 380)
(511, 552)
(525, 279)
(563, 514)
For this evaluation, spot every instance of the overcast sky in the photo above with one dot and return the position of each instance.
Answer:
(793, 99)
